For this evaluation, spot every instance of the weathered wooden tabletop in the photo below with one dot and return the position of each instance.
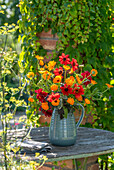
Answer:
(89, 142)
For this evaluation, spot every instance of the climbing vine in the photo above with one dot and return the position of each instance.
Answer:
(84, 29)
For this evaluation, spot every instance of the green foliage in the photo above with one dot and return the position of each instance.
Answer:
(84, 29)
(10, 12)
(84, 32)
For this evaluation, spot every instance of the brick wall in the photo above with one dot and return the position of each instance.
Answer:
(91, 164)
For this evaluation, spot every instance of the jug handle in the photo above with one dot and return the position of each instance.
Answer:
(81, 117)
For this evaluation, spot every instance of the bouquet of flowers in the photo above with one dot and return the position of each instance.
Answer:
(60, 86)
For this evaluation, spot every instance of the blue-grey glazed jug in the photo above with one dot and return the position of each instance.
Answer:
(62, 132)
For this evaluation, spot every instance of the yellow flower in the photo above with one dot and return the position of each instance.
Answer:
(66, 67)
(42, 69)
(94, 72)
(46, 75)
(55, 102)
(30, 75)
(57, 79)
(41, 63)
(87, 101)
(30, 99)
(108, 85)
(45, 106)
(78, 79)
(71, 71)
(54, 87)
(51, 65)
(70, 100)
(39, 57)
(69, 81)
(93, 82)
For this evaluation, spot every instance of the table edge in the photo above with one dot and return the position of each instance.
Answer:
(80, 156)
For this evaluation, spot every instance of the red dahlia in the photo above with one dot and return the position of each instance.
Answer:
(66, 90)
(53, 97)
(78, 90)
(46, 112)
(41, 95)
(58, 71)
(74, 64)
(64, 59)
(86, 74)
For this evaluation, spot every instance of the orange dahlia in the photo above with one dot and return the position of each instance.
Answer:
(57, 79)
(45, 106)
(69, 81)
(41, 62)
(55, 102)
(51, 65)
(70, 100)
(54, 87)
(87, 101)
(30, 99)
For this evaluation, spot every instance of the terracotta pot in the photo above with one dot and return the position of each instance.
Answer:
(44, 119)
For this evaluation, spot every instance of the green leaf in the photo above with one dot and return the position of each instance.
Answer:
(65, 111)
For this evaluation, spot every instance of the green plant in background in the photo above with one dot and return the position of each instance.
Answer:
(9, 105)
(84, 29)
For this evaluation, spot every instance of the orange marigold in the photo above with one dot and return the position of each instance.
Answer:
(39, 57)
(93, 82)
(45, 106)
(55, 102)
(70, 100)
(46, 75)
(57, 79)
(87, 101)
(79, 98)
(69, 81)
(108, 85)
(94, 72)
(41, 62)
(30, 75)
(51, 65)
(30, 99)
(78, 79)
(54, 87)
